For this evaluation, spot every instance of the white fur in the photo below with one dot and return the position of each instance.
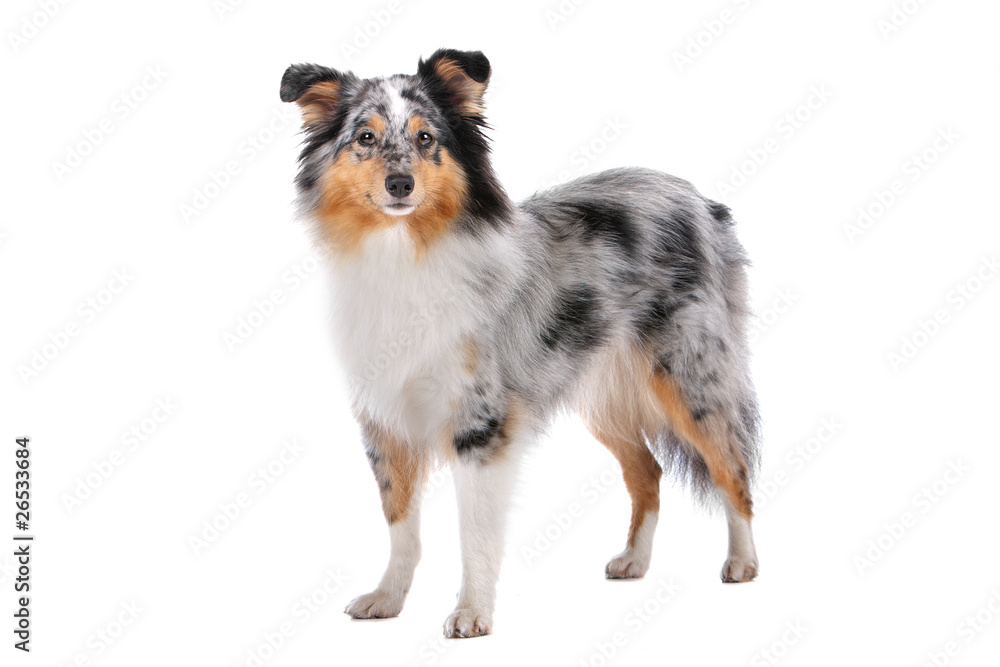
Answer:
(405, 319)
(634, 561)
(616, 385)
(398, 210)
(484, 493)
(397, 107)
(741, 565)
(387, 599)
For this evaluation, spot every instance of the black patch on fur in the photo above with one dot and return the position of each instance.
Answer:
(316, 139)
(465, 139)
(676, 247)
(556, 232)
(474, 63)
(374, 457)
(299, 78)
(721, 213)
(477, 439)
(576, 324)
(603, 220)
(663, 364)
(411, 94)
(295, 82)
(654, 317)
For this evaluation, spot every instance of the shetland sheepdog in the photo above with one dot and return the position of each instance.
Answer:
(466, 321)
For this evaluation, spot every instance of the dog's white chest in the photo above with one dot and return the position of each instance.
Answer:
(401, 322)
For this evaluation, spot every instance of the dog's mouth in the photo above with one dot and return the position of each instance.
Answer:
(394, 207)
(399, 208)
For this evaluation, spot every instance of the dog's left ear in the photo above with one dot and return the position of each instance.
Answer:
(459, 77)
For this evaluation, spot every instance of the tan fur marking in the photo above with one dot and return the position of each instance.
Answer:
(468, 91)
(319, 102)
(709, 439)
(400, 471)
(415, 124)
(345, 212)
(511, 424)
(444, 191)
(641, 473)
(618, 409)
(377, 124)
(351, 187)
(470, 356)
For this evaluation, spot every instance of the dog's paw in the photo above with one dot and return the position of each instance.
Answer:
(627, 565)
(468, 623)
(737, 569)
(377, 604)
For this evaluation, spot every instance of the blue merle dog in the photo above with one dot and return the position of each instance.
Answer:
(466, 321)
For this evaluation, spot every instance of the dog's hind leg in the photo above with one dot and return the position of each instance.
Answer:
(618, 408)
(642, 479)
(713, 432)
(401, 471)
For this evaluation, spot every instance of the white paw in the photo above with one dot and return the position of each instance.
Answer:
(377, 604)
(738, 568)
(468, 623)
(627, 565)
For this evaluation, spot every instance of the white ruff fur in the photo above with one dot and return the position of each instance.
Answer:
(402, 320)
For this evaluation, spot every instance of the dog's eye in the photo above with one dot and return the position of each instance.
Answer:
(425, 139)
(366, 138)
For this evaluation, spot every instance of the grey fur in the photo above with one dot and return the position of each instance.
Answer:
(702, 340)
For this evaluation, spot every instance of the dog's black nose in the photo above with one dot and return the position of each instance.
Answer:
(399, 185)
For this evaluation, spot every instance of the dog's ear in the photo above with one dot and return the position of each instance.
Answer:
(316, 89)
(459, 78)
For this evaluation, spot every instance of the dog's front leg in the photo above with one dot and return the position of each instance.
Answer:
(484, 482)
(401, 470)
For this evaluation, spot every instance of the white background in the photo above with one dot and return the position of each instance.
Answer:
(605, 77)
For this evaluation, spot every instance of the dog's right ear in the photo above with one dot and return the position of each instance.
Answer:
(316, 89)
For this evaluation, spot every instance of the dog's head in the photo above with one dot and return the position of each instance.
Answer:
(405, 148)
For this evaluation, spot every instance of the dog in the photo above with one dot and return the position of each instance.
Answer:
(466, 321)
